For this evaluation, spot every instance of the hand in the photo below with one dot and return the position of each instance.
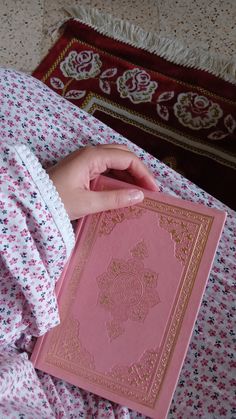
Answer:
(72, 177)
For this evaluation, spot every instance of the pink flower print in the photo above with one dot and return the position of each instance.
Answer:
(11, 188)
(18, 324)
(32, 262)
(222, 375)
(213, 310)
(12, 162)
(5, 221)
(13, 261)
(223, 334)
(3, 170)
(221, 385)
(216, 288)
(233, 382)
(11, 238)
(8, 330)
(204, 378)
(50, 248)
(39, 148)
(223, 306)
(26, 185)
(211, 408)
(24, 232)
(42, 299)
(4, 291)
(222, 411)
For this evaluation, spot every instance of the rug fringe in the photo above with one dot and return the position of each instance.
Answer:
(171, 49)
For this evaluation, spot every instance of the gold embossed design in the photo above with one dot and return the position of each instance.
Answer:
(114, 217)
(182, 233)
(114, 329)
(139, 374)
(127, 292)
(71, 348)
(186, 283)
(140, 250)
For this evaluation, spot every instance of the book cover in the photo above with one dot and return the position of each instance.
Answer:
(128, 299)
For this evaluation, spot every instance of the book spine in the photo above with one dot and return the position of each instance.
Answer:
(78, 231)
(59, 285)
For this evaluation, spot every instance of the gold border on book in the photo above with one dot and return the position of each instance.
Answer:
(188, 278)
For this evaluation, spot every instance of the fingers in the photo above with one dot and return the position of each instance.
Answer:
(117, 158)
(90, 202)
(122, 175)
(72, 177)
(114, 145)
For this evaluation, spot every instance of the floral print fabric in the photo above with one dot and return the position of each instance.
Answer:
(38, 128)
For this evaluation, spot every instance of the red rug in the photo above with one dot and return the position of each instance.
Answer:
(185, 117)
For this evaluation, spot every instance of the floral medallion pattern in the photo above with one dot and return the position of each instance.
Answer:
(83, 65)
(136, 85)
(196, 112)
(139, 374)
(111, 218)
(127, 292)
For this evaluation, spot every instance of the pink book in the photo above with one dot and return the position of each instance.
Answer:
(128, 299)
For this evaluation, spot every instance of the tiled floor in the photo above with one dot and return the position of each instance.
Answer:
(24, 24)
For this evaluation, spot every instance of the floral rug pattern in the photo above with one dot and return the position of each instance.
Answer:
(184, 117)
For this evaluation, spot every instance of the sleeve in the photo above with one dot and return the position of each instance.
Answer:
(36, 238)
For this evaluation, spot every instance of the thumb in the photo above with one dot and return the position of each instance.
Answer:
(91, 202)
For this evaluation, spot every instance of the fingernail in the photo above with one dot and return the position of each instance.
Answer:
(135, 195)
